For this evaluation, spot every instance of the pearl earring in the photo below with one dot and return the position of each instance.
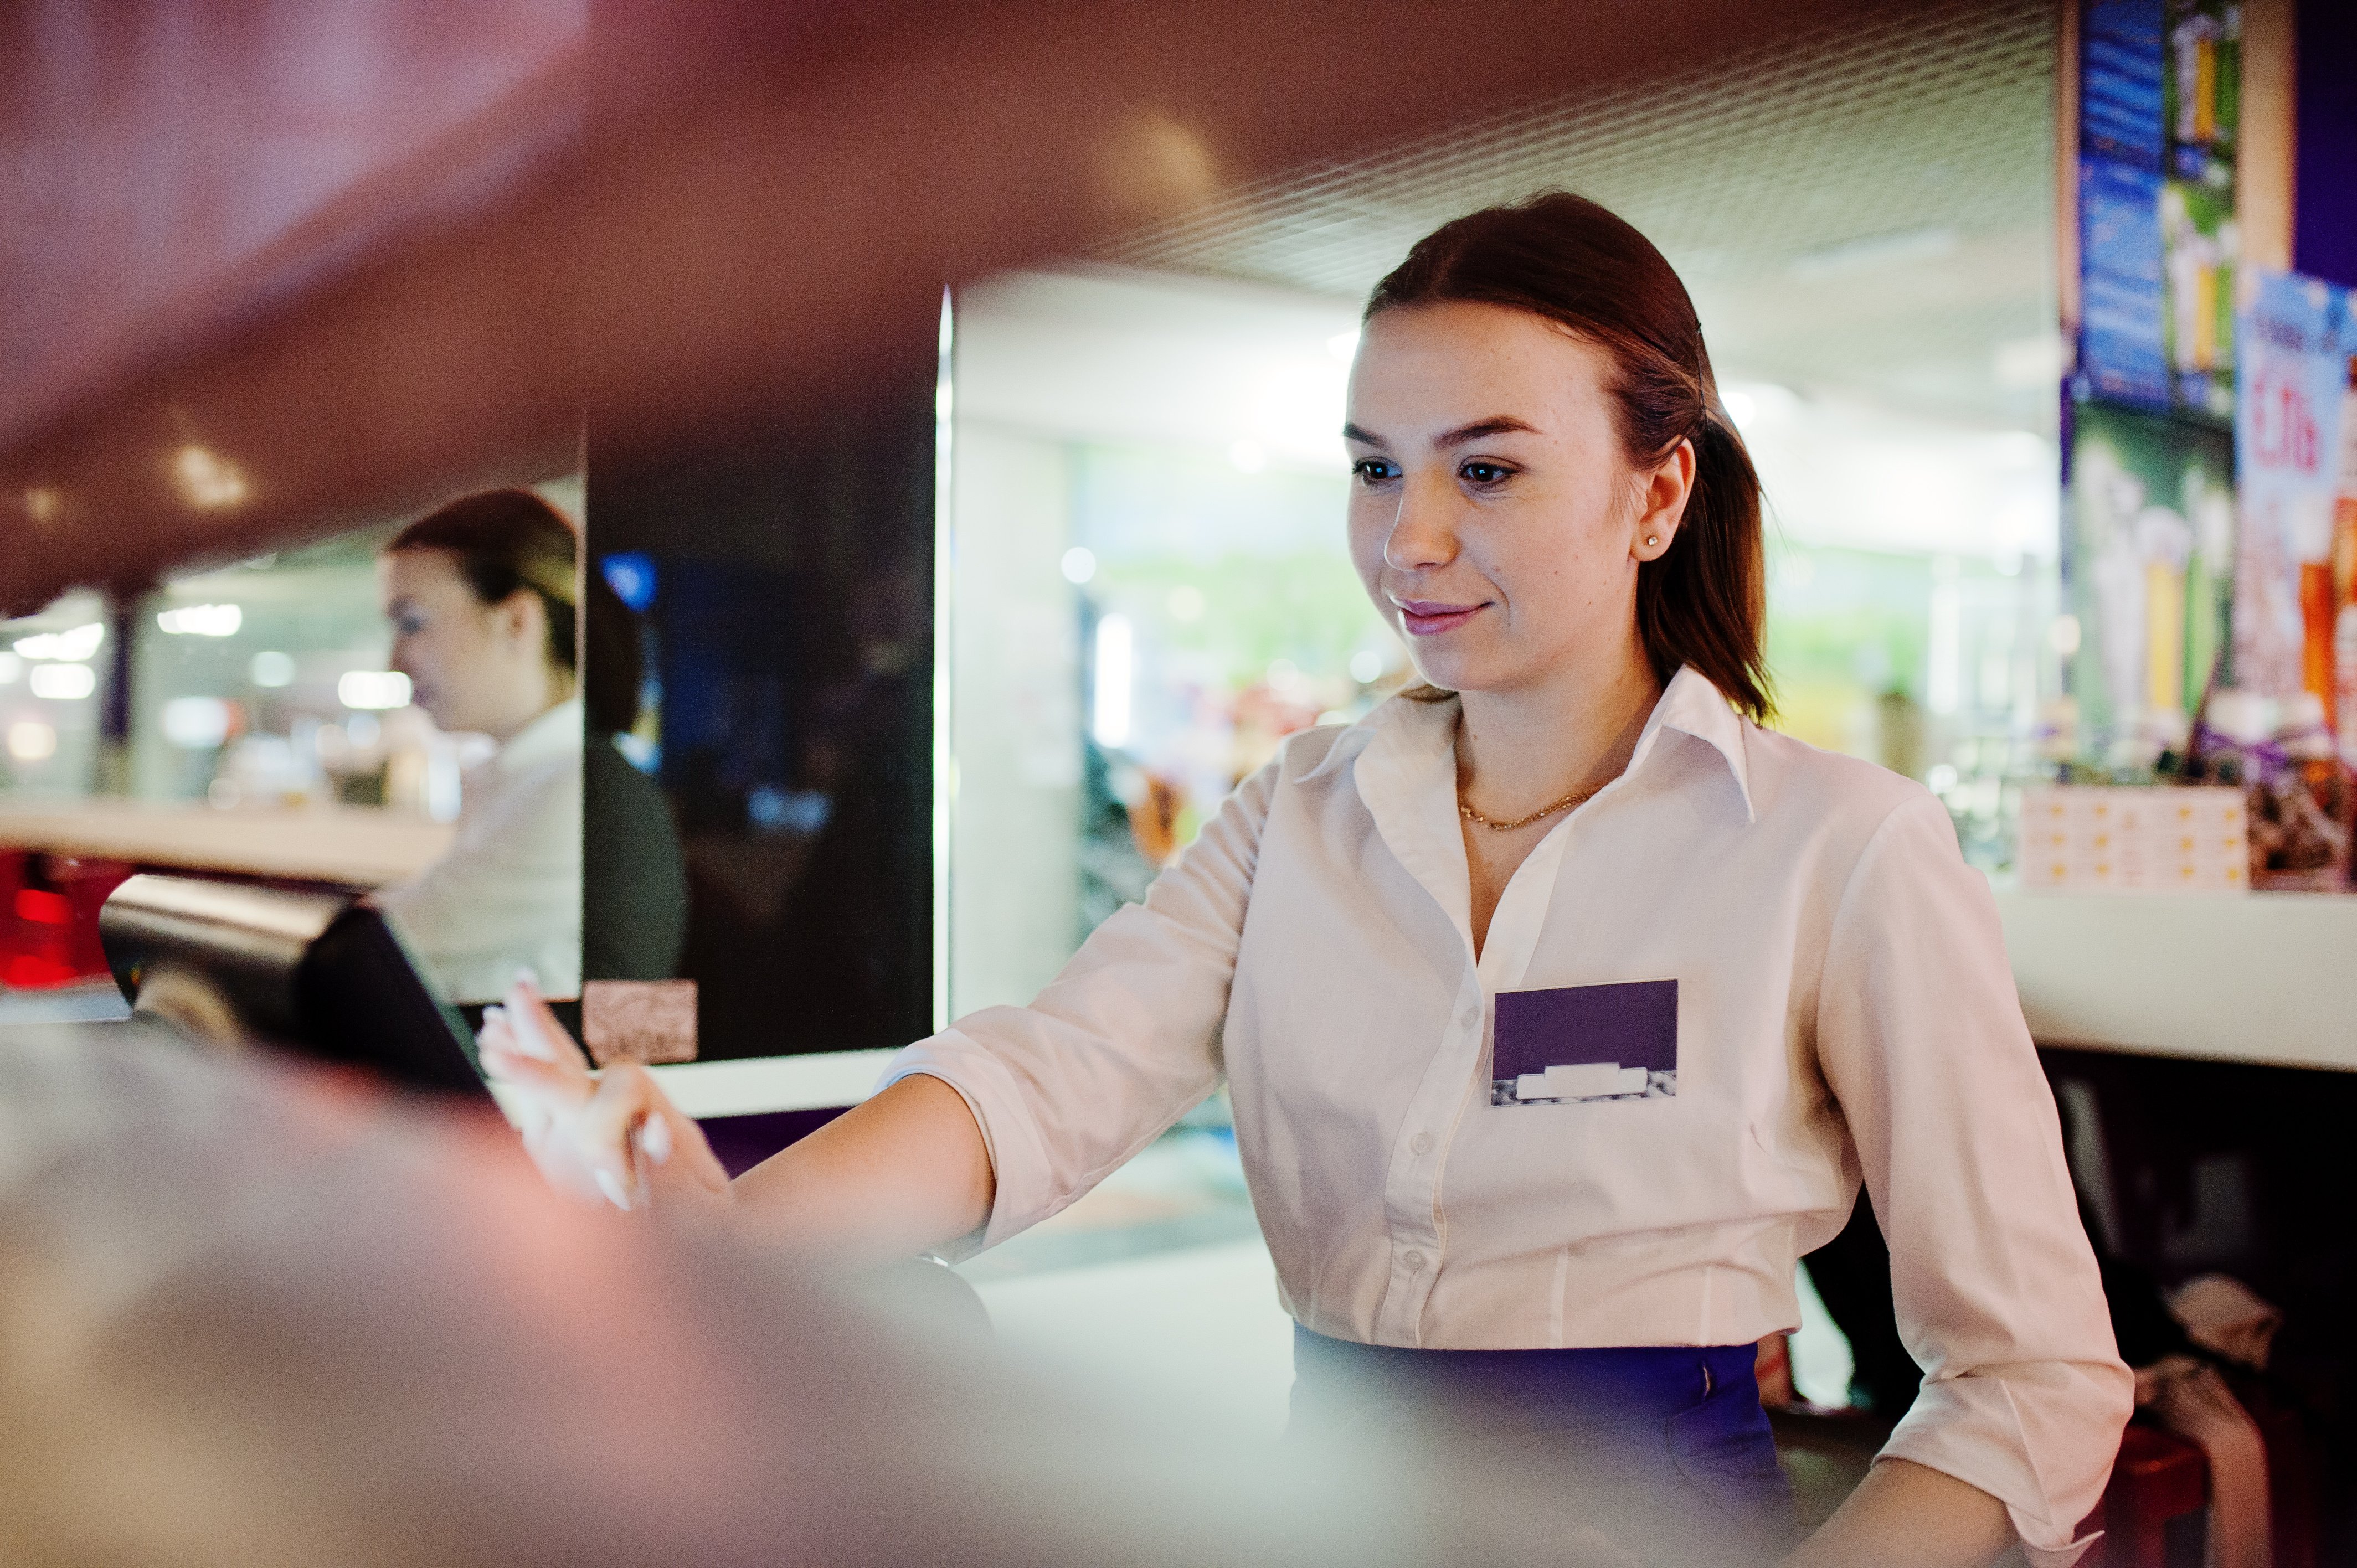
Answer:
(1652, 539)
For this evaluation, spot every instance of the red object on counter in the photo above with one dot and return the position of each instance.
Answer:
(49, 917)
(2156, 1478)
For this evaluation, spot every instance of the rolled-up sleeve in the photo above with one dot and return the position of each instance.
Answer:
(1124, 1041)
(1921, 1037)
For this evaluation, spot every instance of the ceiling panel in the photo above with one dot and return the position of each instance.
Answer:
(1866, 207)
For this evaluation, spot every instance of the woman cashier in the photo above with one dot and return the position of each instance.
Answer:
(1564, 1006)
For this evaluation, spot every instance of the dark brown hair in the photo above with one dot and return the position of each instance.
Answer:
(1562, 257)
(505, 541)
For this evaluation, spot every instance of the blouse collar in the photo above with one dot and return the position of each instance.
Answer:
(1407, 737)
(554, 732)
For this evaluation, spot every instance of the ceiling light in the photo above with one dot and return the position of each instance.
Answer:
(30, 740)
(272, 668)
(203, 620)
(1079, 565)
(194, 723)
(63, 683)
(374, 689)
(70, 646)
(207, 480)
(1109, 712)
(1749, 402)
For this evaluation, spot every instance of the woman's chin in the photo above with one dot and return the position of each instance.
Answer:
(1454, 675)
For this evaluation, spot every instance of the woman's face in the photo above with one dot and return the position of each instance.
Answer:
(1493, 518)
(470, 665)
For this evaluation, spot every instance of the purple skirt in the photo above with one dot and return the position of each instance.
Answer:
(1664, 1449)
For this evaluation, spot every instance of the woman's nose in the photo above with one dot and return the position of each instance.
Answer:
(1422, 535)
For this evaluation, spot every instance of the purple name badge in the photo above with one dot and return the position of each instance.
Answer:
(1585, 1042)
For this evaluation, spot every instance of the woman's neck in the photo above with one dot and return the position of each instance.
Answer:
(1519, 749)
(557, 689)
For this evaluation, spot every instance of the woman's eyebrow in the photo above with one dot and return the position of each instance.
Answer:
(1496, 425)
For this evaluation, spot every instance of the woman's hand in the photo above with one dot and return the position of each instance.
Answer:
(612, 1133)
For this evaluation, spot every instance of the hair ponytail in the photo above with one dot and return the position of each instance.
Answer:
(1703, 602)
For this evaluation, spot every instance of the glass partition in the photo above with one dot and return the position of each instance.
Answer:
(250, 720)
(782, 709)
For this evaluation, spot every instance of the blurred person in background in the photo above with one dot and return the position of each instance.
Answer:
(482, 594)
(634, 909)
(1414, 948)
(250, 1320)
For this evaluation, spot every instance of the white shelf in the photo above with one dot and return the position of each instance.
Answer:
(2251, 977)
(358, 844)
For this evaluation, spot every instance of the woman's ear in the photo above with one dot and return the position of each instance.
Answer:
(522, 621)
(1661, 497)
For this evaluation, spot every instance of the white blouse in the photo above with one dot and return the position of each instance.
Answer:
(1843, 1008)
(507, 894)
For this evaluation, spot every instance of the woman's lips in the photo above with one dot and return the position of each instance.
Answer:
(1429, 617)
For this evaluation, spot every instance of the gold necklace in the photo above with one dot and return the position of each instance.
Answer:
(1471, 815)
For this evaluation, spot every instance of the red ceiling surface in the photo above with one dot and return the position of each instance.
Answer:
(269, 268)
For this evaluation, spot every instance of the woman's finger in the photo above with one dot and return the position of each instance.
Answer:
(503, 1061)
(608, 1129)
(535, 1029)
(613, 1134)
(680, 1171)
(642, 1148)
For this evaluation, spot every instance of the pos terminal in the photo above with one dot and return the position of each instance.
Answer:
(318, 973)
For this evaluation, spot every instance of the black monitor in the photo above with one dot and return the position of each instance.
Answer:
(316, 972)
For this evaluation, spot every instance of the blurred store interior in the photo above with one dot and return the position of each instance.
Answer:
(972, 557)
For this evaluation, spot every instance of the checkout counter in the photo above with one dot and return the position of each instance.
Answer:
(59, 859)
(2263, 981)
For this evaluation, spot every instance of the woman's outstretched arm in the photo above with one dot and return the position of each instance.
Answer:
(905, 1171)
(1905, 1512)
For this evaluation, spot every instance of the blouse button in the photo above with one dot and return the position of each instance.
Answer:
(1421, 1143)
(1414, 1259)
(1472, 1016)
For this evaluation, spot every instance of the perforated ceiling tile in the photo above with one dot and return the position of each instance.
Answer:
(1867, 208)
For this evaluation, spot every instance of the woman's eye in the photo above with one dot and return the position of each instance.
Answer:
(1482, 473)
(1373, 470)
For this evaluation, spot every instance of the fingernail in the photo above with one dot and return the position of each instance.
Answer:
(494, 1013)
(611, 1186)
(654, 1139)
(527, 977)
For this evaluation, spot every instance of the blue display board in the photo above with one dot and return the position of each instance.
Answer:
(2122, 153)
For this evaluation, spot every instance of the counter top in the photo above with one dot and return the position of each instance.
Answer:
(356, 844)
(816, 1081)
(2266, 978)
